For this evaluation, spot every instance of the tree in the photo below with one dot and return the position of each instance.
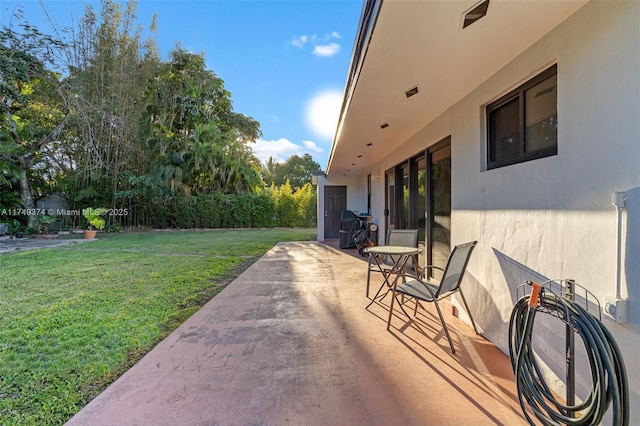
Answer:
(298, 170)
(269, 171)
(33, 103)
(222, 163)
(137, 130)
(110, 68)
(200, 143)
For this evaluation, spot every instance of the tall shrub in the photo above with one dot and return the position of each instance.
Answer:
(305, 199)
(286, 208)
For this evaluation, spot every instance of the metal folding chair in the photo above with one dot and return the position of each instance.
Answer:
(421, 289)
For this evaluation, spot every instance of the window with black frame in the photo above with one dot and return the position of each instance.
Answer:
(523, 124)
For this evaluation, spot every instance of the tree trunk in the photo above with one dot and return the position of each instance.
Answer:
(27, 199)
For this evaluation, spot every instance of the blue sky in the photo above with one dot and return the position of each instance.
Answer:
(284, 62)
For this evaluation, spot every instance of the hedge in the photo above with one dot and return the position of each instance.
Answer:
(269, 208)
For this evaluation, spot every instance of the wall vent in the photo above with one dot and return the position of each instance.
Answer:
(413, 91)
(477, 12)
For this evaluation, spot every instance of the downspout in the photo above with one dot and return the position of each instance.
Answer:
(619, 201)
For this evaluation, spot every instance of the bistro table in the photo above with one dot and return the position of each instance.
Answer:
(399, 255)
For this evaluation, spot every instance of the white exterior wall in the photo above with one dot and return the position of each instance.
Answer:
(552, 218)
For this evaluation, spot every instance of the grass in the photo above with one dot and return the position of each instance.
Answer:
(74, 318)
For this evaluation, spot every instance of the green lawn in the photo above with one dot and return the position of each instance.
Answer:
(72, 319)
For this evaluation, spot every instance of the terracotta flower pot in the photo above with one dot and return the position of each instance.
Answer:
(90, 234)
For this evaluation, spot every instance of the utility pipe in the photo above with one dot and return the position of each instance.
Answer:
(619, 200)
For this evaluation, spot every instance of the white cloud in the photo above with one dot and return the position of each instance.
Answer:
(323, 111)
(313, 147)
(325, 50)
(334, 34)
(322, 45)
(299, 41)
(282, 149)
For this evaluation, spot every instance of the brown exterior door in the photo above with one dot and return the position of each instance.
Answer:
(335, 200)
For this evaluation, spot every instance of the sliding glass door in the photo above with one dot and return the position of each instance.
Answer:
(439, 203)
(418, 196)
(405, 197)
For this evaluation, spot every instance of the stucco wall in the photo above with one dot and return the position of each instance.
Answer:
(553, 218)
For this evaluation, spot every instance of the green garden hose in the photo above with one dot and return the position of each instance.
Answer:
(608, 374)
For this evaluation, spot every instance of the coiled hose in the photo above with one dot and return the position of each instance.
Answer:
(608, 374)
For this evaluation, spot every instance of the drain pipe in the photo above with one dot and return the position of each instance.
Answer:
(619, 200)
(615, 308)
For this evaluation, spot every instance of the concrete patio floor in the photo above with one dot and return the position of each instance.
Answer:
(290, 342)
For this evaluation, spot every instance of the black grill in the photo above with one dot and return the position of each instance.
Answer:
(349, 224)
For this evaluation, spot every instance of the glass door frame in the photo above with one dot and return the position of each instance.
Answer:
(398, 213)
(394, 212)
(429, 212)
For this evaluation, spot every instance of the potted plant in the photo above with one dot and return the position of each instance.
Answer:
(94, 220)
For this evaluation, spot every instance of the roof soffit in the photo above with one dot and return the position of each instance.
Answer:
(422, 43)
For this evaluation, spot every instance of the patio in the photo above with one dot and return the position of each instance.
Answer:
(289, 342)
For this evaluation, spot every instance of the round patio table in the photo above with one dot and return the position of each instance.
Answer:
(399, 255)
